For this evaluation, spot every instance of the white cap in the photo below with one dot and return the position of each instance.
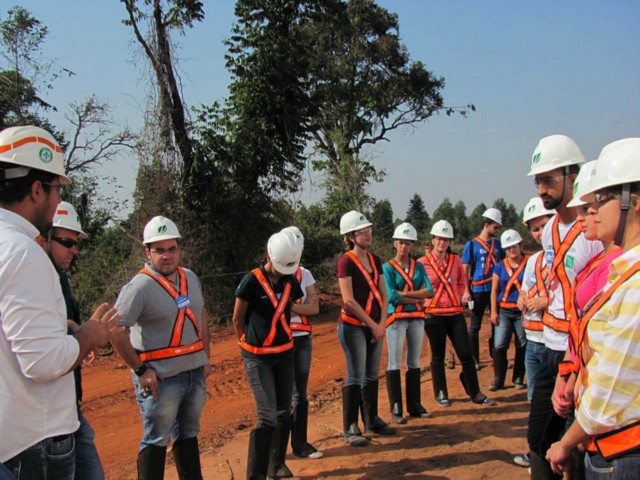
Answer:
(159, 228)
(352, 221)
(442, 229)
(582, 183)
(555, 151)
(405, 231)
(494, 215)
(284, 252)
(510, 238)
(534, 209)
(66, 217)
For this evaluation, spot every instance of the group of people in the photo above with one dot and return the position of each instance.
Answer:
(573, 308)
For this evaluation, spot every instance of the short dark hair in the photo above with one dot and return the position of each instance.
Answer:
(15, 190)
(575, 168)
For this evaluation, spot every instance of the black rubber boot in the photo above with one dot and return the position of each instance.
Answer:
(474, 341)
(541, 469)
(299, 444)
(187, 457)
(259, 446)
(369, 408)
(499, 369)
(278, 452)
(350, 407)
(412, 386)
(151, 463)
(439, 379)
(394, 389)
(519, 368)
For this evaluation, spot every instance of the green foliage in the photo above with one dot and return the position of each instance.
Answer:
(418, 217)
(382, 219)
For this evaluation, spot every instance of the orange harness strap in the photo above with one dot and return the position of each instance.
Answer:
(278, 317)
(540, 290)
(444, 287)
(490, 262)
(408, 287)
(373, 289)
(513, 281)
(558, 271)
(175, 349)
(304, 326)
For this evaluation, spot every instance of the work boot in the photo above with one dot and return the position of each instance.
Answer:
(519, 368)
(278, 452)
(259, 446)
(474, 341)
(151, 463)
(499, 369)
(412, 390)
(394, 389)
(187, 458)
(299, 444)
(439, 379)
(350, 406)
(369, 409)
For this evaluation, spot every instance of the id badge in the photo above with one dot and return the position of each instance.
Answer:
(183, 302)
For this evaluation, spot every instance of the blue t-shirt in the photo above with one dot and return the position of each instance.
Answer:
(475, 254)
(501, 271)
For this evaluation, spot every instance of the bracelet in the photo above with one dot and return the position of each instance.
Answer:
(141, 370)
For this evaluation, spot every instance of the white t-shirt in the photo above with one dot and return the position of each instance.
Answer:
(306, 281)
(577, 257)
(528, 282)
(37, 390)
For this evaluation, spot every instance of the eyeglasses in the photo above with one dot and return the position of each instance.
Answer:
(547, 181)
(162, 251)
(66, 242)
(363, 231)
(603, 197)
(56, 186)
(442, 239)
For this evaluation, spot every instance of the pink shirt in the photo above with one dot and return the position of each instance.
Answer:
(595, 281)
(457, 279)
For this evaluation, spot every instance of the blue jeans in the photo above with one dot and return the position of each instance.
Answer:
(362, 356)
(301, 367)
(176, 412)
(510, 321)
(533, 359)
(413, 331)
(51, 458)
(271, 381)
(88, 465)
(626, 467)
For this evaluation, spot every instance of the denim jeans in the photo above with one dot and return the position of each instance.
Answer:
(533, 359)
(510, 321)
(88, 465)
(626, 467)
(176, 412)
(401, 329)
(271, 381)
(362, 356)
(50, 458)
(301, 367)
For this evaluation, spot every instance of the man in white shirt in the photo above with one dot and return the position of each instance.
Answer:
(38, 414)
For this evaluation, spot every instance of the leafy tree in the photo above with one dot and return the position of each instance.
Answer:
(418, 217)
(382, 219)
(474, 222)
(460, 223)
(510, 216)
(445, 211)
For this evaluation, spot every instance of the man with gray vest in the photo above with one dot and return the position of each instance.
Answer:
(167, 350)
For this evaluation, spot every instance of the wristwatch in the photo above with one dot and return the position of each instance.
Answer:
(140, 371)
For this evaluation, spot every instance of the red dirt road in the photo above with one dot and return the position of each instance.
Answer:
(465, 441)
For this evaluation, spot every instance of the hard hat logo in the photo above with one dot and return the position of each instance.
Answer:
(532, 208)
(162, 228)
(536, 158)
(575, 188)
(45, 154)
(406, 230)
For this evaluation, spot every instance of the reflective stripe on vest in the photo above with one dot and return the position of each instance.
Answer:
(512, 282)
(489, 262)
(538, 290)
(444, 287)
(373, 289)
(558, 271)
(408, 287)
(303, 326)
(279, 317)
(174, 349)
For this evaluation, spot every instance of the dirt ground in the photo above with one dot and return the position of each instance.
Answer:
(464, 441)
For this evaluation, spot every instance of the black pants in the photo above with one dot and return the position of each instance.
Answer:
(480, 303)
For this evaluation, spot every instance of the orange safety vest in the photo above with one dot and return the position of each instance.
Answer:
(304, 326)
(558, 271)
(408, 287)
(512, 282)
(175, 349)
(374, 293)
(489, 262)
(623, 440)
(444, 287)
(279, 317)
(540, 290)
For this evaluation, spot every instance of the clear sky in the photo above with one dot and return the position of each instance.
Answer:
(531, 68)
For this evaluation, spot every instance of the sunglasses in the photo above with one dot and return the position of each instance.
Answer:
(66, 242)
(56, 186)
(547, 181)
(603, 197)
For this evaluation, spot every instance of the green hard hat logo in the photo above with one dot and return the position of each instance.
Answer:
(509, 238)
(406, 230)
(575, 188)
(45, 154)
(536, 158)
(362, 219)
(162, 228)
(531, 208)
(445, 229)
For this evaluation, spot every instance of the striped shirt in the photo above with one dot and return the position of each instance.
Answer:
(609, 388)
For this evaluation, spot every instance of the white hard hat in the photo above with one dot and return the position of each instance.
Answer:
(352, 221)
(31, 147)
(582, 183)
(67, 217)
(618, 163)
(510, 238)
(553, 152)
(534, 209)
(159, 228)
(442, 229)
(494, 215)
(296, 234)
(405, 231)
(284, 252)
